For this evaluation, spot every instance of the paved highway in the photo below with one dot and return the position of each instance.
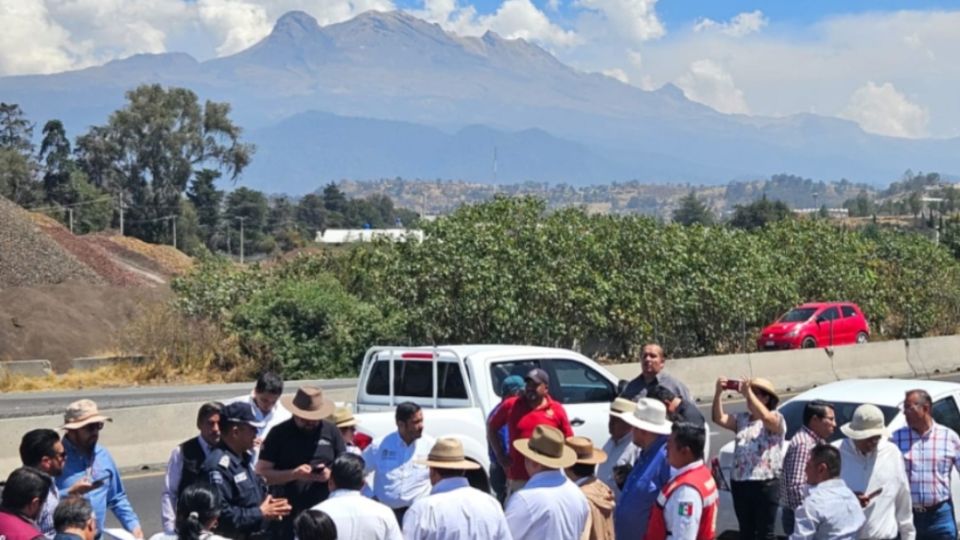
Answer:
(43, 403)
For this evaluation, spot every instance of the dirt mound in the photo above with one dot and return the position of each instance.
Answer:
(62, 322)
(166, 259)
(95, 257)
(28, 256)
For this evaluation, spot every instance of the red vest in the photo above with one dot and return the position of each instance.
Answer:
(700, 479)
(14, 527)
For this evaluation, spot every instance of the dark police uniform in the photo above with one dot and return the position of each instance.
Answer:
(241, 492)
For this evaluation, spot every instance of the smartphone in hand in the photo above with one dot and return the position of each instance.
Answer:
(732, 384)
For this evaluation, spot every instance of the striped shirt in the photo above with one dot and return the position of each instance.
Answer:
(928, 459)
(793, 480)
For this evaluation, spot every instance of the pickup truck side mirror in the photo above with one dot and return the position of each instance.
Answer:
(621, 386)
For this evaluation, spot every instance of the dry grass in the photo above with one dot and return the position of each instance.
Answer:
(180, 351)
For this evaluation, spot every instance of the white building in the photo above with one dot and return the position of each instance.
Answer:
(348, 236)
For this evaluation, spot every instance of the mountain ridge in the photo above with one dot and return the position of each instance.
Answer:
(394, 67)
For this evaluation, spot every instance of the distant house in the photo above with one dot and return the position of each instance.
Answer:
(348, 236)
(832, 212)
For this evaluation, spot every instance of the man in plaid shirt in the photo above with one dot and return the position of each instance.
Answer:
(930, 451)
(819, 422)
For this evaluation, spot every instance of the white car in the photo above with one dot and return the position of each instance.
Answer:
(846, 396)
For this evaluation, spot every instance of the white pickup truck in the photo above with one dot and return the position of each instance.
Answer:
(457, 387)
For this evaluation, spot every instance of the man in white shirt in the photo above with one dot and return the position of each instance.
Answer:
(549, 506)
(400, 476)
(186, 460)
(619, 448)
(873, 468)
(265, 403)
(830, 511)
(454, 510)
(356, 517)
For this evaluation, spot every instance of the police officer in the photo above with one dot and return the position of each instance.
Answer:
(245, 507)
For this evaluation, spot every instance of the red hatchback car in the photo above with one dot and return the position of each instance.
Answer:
(816, 324)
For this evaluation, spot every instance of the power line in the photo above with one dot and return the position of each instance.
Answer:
(62, 206)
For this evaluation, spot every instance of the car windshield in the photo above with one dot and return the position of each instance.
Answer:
(793, 413)
(798, 314)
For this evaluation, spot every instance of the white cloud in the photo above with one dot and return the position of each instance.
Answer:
(633, 20)
(709, 83)
(739, 26)
(618, 74)
(513, 19)
(31, 42)
(237, 25)
(884, 110)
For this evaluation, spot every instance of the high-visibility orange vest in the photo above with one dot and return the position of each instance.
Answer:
(700, 479)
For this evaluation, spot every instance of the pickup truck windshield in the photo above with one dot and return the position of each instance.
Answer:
(414, 378)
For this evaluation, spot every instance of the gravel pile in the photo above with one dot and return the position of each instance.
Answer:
(29, 257)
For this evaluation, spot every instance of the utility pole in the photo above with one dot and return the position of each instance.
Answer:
(241, 218)
(70, 213)
(121, 213)
(174, 220)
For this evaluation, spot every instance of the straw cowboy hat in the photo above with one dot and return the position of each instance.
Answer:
(308, 404)
(547, 447)
(587, 454)
(342, 417)
(766, 386)
(650, 415)
(867, 422)
(622, 406)
(82, 412)
(447, 453)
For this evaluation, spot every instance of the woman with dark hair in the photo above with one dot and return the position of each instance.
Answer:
(198, 509)
(757, 454)
(314, 525)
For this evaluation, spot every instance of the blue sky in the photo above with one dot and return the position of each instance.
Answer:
(889, 65)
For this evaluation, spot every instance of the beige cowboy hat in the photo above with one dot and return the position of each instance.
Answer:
(308, 403)
(622, 406)
(587, 454)
(82, 412)
(867, 422)
(548, 447)
(342, 417)
(649, 415)
(447, 453)
(766, 386)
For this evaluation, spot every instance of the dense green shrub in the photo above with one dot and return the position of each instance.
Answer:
(508, 271)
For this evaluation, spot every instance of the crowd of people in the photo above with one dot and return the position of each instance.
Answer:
(275, 466)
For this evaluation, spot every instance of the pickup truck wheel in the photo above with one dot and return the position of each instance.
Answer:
(808, 343)
(861, 337)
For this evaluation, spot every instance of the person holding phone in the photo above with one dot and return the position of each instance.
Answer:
(757, 454)
(873, 468)
(90, 467)
(297, 453)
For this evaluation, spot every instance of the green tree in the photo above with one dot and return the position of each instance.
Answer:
(692, 211)
(759, 213)
(251, 207)
(206, 200)
(18, 170)
(311, 215)
(150, 149)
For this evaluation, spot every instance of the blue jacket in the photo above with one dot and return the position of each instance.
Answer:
(648, 476)
(110, 495)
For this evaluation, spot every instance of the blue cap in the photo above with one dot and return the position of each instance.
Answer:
(240, 413)
(511, 385)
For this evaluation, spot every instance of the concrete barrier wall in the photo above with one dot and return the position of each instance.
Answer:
(934, 355)
(29, 368)
(97, 362)
(805, 368)
(880, 359)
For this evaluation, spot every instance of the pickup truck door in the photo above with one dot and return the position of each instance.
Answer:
(584, 391)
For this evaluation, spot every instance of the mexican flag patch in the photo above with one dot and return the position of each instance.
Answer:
(685, 509)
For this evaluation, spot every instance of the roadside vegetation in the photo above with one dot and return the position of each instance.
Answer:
(509, 271)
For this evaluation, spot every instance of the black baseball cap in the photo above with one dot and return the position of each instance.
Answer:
(538, 376)
(240, 413)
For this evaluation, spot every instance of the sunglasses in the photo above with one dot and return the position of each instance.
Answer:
(96, 426)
